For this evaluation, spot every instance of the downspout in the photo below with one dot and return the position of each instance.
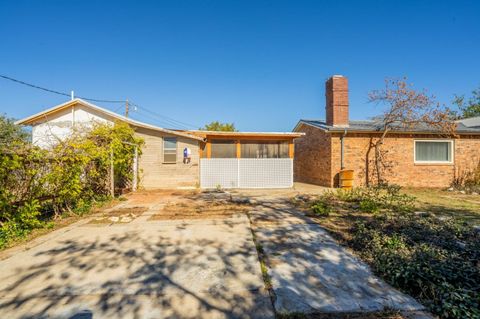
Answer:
(342, 166)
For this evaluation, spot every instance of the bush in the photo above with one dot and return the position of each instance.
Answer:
(368, 205)
(468, 180)
(320, 208)
(372, 199)
(38, 184)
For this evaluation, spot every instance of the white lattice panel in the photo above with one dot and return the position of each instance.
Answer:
(265, 173)
(246, 173)
(219, 172)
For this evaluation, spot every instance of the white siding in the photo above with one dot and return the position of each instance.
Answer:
(57, 127)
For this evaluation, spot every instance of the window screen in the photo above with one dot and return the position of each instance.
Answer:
(264, 149)
(223, 149)
(169, 150)
(432, 151)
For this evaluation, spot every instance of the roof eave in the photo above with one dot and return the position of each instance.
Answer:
(31, 119)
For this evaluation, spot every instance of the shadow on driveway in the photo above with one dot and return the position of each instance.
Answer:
(207, 269)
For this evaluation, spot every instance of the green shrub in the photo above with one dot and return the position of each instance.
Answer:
(321, 208)
(369, 205)
(38, 185)
(371, 199)
(28, 215)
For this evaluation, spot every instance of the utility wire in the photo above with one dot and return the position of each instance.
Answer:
(57, 92)
(162, 122)
(165, 119)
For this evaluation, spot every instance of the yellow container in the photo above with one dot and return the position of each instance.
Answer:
(346, 178)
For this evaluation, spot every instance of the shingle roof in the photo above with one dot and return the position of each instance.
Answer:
(471, 122)
(471, 125)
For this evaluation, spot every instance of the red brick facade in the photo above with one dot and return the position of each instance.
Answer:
(317, 158)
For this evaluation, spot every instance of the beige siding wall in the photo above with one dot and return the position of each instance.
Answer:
(156, 174)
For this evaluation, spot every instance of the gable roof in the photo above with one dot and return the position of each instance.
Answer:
(464, 126)
(41, 116)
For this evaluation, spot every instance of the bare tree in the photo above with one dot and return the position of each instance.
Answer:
(406, 110)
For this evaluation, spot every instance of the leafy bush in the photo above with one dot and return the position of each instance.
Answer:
(368, 205)
(372, 199)
(321, 208)
(38, 184)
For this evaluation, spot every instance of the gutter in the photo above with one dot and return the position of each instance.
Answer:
(342, 152)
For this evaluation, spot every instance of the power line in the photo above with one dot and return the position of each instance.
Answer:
(57, 92)
(166, 118)
(162, 122)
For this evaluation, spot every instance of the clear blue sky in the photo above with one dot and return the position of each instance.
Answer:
(260, 64)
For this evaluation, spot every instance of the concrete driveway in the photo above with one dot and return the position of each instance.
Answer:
(140, 268)
(188, 255)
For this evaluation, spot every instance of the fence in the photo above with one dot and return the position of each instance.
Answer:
(246, 172)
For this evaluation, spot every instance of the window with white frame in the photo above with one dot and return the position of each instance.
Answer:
(170, 150)
(434, 151)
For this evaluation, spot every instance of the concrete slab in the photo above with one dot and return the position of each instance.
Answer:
(141, 269)
(312, 273)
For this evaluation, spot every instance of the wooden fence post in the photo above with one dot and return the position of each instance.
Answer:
(112, 178)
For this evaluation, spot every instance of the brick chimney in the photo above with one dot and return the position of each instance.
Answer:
(336, 93)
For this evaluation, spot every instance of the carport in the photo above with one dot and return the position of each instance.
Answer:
(247, 159)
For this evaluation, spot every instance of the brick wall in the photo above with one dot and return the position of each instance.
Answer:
(312, 162)
(399, 154)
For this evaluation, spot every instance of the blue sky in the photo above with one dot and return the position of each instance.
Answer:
(259, 64)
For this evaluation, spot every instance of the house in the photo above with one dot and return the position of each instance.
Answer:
(217, 159)
(420, 157)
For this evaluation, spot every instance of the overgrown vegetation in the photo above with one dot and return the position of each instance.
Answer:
(434, 259)
(39, 185)
(468, 180)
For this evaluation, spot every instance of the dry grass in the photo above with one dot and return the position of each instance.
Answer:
(131, 213)
(147, 197)
(464, 207)
(198, 209)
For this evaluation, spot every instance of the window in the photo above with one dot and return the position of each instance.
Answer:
(264, 149)
(169, 150)
(434, 151)
(223, 149)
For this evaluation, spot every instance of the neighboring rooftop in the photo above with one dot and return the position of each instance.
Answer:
(471, 122)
